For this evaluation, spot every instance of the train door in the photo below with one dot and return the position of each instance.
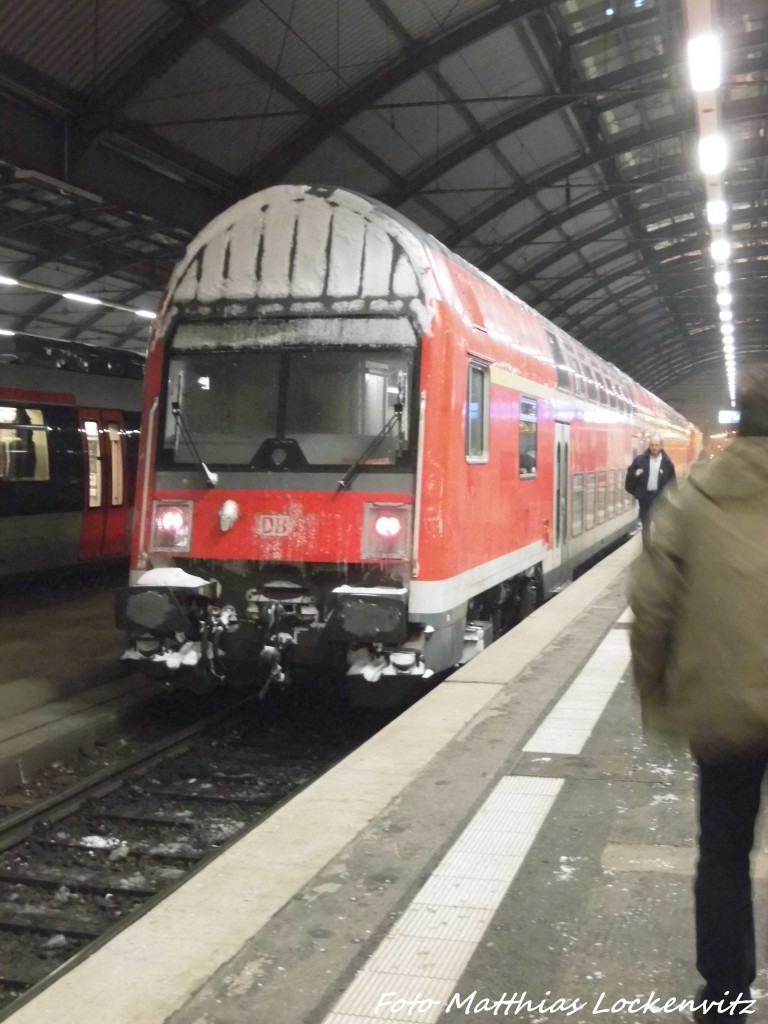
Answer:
(560, 512)
(105, 513)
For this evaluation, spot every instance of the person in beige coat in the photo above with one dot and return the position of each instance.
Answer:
(700, 661)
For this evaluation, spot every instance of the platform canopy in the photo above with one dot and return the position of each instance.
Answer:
(554, 145)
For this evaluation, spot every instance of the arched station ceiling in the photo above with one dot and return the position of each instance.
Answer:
(554, 145)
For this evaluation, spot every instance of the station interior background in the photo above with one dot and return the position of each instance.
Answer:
(556, 146)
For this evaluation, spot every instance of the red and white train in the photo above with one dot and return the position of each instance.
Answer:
(69, 441)
(361, 453)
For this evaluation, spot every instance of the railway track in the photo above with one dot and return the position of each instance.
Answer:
(81, 864)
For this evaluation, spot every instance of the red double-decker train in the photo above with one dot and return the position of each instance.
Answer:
(362, 454)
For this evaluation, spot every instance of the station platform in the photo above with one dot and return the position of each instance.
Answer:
(510, 847)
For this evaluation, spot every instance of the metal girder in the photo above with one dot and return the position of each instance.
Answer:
(416, 60)
(196, 22)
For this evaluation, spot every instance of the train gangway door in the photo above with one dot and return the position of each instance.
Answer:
(105, 515)
(560, 512)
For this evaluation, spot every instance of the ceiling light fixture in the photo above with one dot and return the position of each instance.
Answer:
(713, 154)
(717, 211)
(89, 300)
(705, 63)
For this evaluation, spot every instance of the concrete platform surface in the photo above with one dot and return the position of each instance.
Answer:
(512, 847)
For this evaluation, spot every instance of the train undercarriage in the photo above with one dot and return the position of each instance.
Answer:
(264, 625)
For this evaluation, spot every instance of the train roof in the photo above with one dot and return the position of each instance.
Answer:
(74, 356)
(222, 266)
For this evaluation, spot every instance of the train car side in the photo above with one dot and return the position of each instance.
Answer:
(68, 456)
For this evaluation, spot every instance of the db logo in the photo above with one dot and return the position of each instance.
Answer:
(273, 526)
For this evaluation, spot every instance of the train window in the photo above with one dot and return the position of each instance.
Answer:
(589, 501)
(23, 444)
(116, 463)
(602, 486)
(338, 390)
(478, 413)
(577, 504)
(563, 371)
(593, 389)
(529, 421)
(94, 463)
(579, 374)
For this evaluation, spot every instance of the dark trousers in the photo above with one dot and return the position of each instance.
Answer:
(729, 799)
(645, 504)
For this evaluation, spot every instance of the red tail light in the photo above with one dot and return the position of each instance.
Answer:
(386, 531)
(171, 526)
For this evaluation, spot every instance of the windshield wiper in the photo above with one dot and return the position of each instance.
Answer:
(354, 469)
(211, 478)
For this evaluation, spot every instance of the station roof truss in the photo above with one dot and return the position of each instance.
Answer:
(553, 145)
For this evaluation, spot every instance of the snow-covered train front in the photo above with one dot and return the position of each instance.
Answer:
(359, 454)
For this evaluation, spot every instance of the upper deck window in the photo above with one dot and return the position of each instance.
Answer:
(478, 411)
(291, 394)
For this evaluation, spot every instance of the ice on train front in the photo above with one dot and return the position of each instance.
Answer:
(275, 523)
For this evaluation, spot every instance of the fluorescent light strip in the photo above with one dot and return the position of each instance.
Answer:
(705, 63)
(76, 297)
(89, 300)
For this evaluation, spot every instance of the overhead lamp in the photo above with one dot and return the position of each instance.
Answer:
(713, 154)
(726, 314)
(720, 250)
(724, 298)
(7, 280)
(726, 328)
(89, 300)
(705, 63)
(722, 278)
(6, 333)
(717, 211)
(728, 345)
(146, 313)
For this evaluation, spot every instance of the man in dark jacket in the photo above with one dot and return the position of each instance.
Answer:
(646, 478)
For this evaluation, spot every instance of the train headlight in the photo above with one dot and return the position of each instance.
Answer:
(387, 526)
(171, 526)
(229, 513)
(386, 531)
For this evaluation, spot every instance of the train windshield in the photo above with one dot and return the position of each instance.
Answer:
(290, 394)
